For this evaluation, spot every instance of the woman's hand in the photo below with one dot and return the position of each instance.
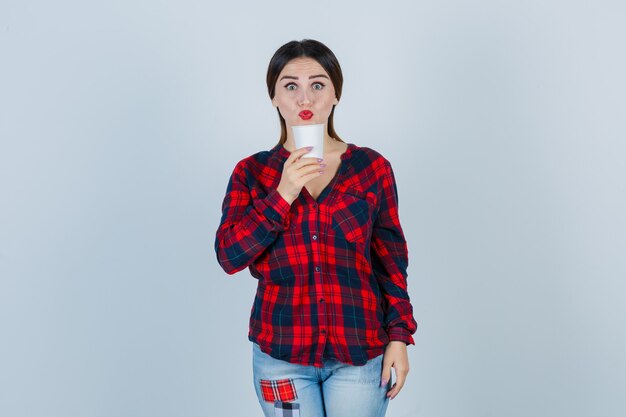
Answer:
(395, 356)
(297, 171)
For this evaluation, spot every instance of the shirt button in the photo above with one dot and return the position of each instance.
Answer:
(314, 237)
(321, 300)
(318, 269)
(314, 206)
(323, 331)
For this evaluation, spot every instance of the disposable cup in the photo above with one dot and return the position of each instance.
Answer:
(310, 135)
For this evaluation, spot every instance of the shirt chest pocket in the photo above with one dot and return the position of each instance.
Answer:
(352, 215)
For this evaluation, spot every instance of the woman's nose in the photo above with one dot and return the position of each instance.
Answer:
(303, 98)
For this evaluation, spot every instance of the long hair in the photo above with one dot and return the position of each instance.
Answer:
(311, 49)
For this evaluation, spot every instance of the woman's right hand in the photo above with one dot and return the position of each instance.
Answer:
(297, 171)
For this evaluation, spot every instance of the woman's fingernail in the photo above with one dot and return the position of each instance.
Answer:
(383, 382)
(322, 165)
(319, 159)
(309, 148)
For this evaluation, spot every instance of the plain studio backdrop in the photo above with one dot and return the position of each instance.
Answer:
(121, 122)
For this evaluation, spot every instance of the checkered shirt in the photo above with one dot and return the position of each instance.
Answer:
(331, 270)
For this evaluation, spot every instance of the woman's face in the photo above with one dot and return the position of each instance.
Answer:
(304, 93)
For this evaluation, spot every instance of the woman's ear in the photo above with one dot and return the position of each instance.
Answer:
(274, 102)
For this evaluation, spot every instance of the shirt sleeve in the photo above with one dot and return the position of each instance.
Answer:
(248, 225)
(389, 256)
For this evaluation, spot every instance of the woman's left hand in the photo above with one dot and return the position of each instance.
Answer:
(395, 356)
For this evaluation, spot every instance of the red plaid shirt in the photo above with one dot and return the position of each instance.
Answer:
(332, 272)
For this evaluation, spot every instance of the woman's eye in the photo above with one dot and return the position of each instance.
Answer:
(318, 86)
(290, 86)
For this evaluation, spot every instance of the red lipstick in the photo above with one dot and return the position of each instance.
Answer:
(305, 114)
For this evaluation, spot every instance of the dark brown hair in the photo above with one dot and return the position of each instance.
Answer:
(311, 49)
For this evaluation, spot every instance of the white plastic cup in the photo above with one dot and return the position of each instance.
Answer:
(310, 135)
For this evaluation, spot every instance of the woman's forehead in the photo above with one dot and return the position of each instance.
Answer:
(304, 65)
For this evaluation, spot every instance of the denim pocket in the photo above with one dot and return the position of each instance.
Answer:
(371, 372)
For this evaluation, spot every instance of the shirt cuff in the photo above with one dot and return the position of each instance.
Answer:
(400, 334)
(277, 208)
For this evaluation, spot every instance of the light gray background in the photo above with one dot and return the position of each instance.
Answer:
(121, 121)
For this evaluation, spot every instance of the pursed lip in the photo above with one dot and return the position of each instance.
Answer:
(305, 114)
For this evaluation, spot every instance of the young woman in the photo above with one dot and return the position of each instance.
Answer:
(331, 315)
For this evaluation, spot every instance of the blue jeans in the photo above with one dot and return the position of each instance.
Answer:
(335, 390)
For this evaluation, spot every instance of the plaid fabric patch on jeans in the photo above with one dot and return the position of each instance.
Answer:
(286, 409)
(278, 390)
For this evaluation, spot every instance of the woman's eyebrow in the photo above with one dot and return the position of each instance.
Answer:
(291, 77)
